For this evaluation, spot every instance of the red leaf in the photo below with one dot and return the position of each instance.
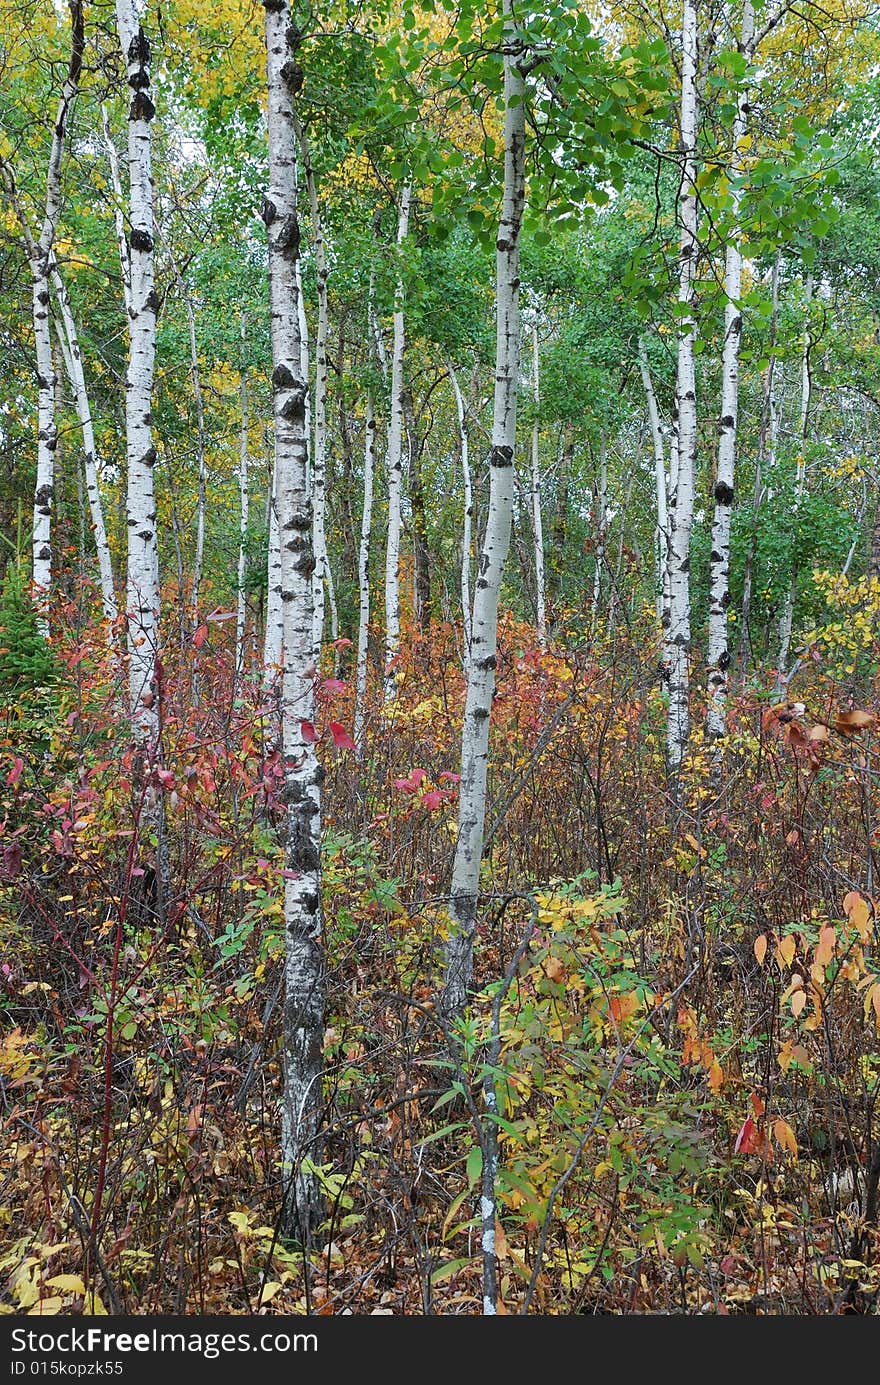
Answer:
(200, 636)
(332, 685)
(432, 800)
(15, 773)
(341, 643)
(749, 1140)
(341, 739)
(309, 734)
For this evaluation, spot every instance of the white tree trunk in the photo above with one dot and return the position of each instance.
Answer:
(360, 695)
(319, 451)
(244, 514)
(202, 500)
(142, 595)
(535, 499)
(678, 631)
(304, 963)
(395, 466)
(786, 618)
(39, 251)
(601, 533)
(118, 210)
(464, 887)
(467, 518)
(272, 639)
(73, 363)
(661, 546)
(718, 648)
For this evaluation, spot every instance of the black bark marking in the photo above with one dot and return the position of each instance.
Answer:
(501, 456)
(723, 493)
(141, 240)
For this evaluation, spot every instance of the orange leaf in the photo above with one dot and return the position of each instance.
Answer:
(858, 911)
(761, 948)
(786, 950)
(798, 1001)
(825, 947)
(785, 1136)
(851, 723)
(716, 1075)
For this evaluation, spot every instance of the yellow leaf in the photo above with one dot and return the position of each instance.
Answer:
(716, 1075)
(47, 1307)
(786, 950)
(270, 1289)
(785, 1136)
(798, 1001)
(761, 949)
(858, 911)
(67, 1283)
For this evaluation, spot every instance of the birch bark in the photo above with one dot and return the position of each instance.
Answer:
(39, 252)
(718, 647)
(678, 630)
(535, 498)
(142, 593)
(395, 466)
(661, 546)
(467, 517)
(70, 348)
(481, 667)
(360, 695)
(244, 513)
(303, 1012)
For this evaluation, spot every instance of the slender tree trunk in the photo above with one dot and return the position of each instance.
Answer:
(421, 553)
(535, 498)
(244, 514)
(661, 545)
(70, 348)
(142, 595)
(118, 212)
(39, 253)
(560, 518)
(395, 467)
(273, 631)
(467, 519)
(786, 618)
(323, 577)
(766, 453)
(678, 632)
(364, 577)
(718, 649)
(303, 1015)
(202, 500)
(464, 888)
(601, 534)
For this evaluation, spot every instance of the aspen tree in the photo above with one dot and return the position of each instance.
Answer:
(40, 260)
(70, 350)
(468, 511)
(496, 542)
(661, 546)
(395, 463)
(535, 496)
(142, 591)
(718, 649)
(678, 630)
(303, 1013)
